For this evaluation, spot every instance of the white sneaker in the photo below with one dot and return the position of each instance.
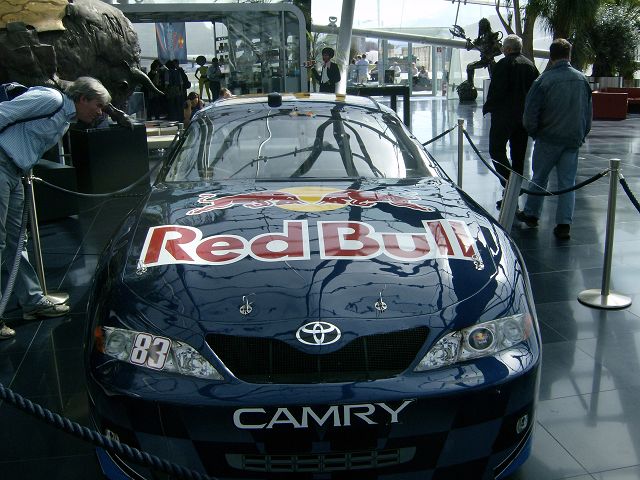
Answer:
(45, 309)
(56, 300)
(6, 332)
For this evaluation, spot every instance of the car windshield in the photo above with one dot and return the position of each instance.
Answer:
(301, 140)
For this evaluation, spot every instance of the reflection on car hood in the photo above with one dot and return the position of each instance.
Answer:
(310, 250)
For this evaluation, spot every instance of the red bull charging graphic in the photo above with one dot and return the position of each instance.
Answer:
(306, 199)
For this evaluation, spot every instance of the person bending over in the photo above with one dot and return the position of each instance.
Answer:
(22, 144)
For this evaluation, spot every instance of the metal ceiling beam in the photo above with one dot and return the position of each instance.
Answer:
(407, 37)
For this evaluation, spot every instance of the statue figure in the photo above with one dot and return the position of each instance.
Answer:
(47, 43)
(489, 44)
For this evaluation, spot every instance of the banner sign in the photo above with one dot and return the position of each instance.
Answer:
(172, 41)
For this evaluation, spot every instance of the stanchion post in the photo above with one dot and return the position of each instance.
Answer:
(604, 298)
(460, 153)
(510, 201)
(57, 297)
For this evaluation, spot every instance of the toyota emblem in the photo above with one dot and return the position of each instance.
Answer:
(318, 333)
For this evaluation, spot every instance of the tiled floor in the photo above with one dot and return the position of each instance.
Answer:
(588, 417)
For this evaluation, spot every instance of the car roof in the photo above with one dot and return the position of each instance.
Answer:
(303, 97)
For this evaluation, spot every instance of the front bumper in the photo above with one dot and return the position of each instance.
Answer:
(455, 423)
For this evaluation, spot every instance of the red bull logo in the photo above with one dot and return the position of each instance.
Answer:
(337, 240)
(306, 199)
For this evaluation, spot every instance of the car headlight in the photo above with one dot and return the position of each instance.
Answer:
(154, 352)
(481, 340)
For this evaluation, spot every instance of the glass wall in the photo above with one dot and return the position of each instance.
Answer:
(264, 52)
(259, 46)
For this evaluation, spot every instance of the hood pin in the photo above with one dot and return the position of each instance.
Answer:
(246, 307)
(141, 268)
(380, 305)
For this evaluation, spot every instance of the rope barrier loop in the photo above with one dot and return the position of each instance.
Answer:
(118, 193)
(629, 193)
(438, 137)
(543, 192)
(73, 428)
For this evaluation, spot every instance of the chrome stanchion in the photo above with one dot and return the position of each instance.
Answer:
(460, 159)
(510, 201)
(56, 297)
(604, 298)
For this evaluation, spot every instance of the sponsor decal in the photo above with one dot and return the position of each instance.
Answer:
(306, 199)
(309, 417)
(337, 240)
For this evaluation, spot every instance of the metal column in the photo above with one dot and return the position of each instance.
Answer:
(344, 43)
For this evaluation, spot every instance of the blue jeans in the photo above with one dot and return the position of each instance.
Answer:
(565, 160)
(27, 286)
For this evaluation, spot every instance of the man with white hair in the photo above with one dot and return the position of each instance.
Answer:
(511, 80)
(31, 124)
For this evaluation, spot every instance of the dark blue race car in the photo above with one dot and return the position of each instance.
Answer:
(305, 294)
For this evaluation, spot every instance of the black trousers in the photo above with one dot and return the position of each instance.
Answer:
(328, 87)
(503, 130)
(215, 90)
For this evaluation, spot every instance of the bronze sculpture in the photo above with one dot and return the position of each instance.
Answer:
(489, 45)
(44, 43)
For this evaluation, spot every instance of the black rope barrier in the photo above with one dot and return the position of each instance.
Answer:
(577, 186)
(597, 176)
(629, 193)
(439, 136)
(84, 433)
(487, 164)
(123, 192)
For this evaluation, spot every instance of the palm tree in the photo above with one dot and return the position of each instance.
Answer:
(562, 18)
(525, 19)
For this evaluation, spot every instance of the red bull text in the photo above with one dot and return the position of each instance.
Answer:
(337, 240)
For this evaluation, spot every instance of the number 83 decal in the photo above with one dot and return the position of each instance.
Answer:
(150, 350)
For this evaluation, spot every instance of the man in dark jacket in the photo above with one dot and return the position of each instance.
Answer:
(329, 76)
(511, 80)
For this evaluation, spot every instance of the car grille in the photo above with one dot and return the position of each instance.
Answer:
(267, 360)
(330, 462)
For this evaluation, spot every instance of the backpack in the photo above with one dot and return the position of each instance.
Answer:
(214, 74)
(9, 91)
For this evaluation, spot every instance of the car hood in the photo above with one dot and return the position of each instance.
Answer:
(247, 251)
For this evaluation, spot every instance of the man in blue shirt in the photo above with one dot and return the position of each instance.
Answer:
(557, 115)
(362, 66)
(22, 144)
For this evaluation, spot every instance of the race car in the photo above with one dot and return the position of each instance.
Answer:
(305, 294)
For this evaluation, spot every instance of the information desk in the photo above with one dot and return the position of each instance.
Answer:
(386, 91)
